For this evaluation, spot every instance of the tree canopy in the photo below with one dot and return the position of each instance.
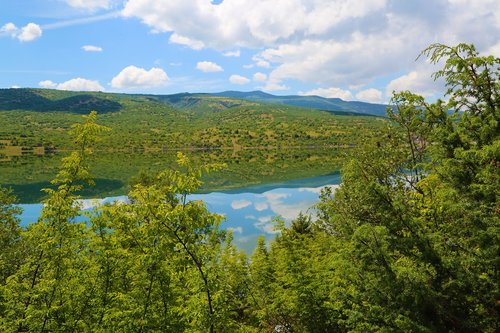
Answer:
(410, 242)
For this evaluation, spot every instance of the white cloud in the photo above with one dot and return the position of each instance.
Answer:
(238, 79)
(371, 95)
(494, 50)
(259, 62)
(208, 67)
(77, 84)
(274, 85)
(266, 224)
(9, 28)
(80, 84)
(248, 23)
(317, 190)
(91, 48)
(330, 43)
(329, 93)
(89, 4)
(418, 81)
(260, 206)
(47, 84)
(238, 230)
(135, 77)
(28, 33)
(194, 44)
(259, 77)
(239, 204)
(232, 53)
(288, 211)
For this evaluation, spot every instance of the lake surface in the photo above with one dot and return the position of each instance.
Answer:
(249, 211)
(112, 171)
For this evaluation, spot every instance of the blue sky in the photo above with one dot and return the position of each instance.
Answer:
(351, 49)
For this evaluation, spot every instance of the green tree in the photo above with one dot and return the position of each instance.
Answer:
(10, 237)
(417, 212)
(44, 293)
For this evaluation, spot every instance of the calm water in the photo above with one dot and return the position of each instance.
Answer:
(248, 211)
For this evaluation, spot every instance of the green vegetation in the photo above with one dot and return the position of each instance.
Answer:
(313, 102)
(410, 242)
(159, 123)
(259, 142)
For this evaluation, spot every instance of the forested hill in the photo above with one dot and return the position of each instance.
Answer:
(41, 117)
(42, 100)
(313, 102)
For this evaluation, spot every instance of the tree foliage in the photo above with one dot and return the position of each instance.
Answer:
(410, 242)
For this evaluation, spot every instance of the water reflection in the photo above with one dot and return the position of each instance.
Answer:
(112, 172)
(250, 215)
(249, 212)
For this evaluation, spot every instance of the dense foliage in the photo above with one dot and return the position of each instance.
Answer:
(408, 243)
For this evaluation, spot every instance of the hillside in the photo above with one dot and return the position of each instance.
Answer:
(41, 118)
(312, 102)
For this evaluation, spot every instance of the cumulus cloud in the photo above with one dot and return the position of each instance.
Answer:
(259, 62)
(260, 206)
(239, 204)
(232, 53)
(371, 95)
(28, 33)
(317, 190)
(238, 230)
(9, 28)
(89, 4)
(494, 50)
(288, 211)
(259, 77)
(274, 85)
(208, 67)
(135, 77)
(91, 48)
(331, 43)
(329, 93)
(248, 23)
(186, 41)
(418, 81)
(266, 224)
(238, 79)
(77, 84)
(47, 84)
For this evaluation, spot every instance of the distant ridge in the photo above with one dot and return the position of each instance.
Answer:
(313, 102)
(73, 102)
(44, 100)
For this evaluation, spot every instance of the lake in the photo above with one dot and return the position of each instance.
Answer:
(248, 211)
(29, 173)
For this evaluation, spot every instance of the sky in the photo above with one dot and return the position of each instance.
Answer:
(351, 49)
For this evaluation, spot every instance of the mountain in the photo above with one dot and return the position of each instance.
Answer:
(40, 118)
(46, 100)
(312, 102)
(43, 100)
